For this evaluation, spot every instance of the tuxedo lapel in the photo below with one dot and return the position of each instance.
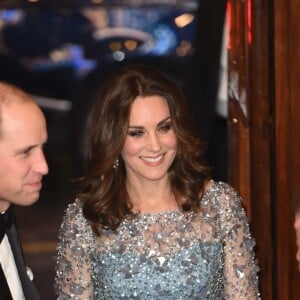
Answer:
(29, 289)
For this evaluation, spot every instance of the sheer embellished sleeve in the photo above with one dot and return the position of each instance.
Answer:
(240, 266)
(73, 279)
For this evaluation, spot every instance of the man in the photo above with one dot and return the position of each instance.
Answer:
(23, 134)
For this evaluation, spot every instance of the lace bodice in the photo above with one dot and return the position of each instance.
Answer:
(167, 255)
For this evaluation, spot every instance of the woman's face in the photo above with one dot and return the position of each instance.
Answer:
(151, 144)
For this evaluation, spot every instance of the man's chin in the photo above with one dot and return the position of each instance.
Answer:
(29, 199)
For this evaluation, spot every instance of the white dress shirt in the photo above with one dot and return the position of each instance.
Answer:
(10, 270)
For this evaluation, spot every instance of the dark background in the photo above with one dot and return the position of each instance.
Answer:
(198, 75)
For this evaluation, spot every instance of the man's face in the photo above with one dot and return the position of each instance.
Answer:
(22, 163)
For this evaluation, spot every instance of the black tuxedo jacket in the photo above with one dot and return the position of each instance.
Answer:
(29, 290)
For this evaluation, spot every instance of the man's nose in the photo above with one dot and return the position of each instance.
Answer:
(41, 165)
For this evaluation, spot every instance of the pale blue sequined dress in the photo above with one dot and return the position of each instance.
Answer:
(168, 255)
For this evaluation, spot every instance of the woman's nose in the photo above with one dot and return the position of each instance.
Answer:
(153, 142)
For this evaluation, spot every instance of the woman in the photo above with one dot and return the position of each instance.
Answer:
(148, 223)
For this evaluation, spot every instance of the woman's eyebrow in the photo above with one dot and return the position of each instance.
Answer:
(159, 123)
(164, 120)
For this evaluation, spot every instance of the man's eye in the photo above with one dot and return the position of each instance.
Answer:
(26, 152)
(135, 133)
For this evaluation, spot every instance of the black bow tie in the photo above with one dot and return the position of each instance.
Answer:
(6, 220)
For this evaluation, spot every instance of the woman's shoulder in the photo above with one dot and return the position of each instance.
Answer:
(74, 220)
(74, 208)
(223, 202)
(220, 193)
(73, 212)
(212, 186)
(75, 235)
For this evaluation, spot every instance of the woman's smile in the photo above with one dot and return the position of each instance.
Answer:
(153, 160)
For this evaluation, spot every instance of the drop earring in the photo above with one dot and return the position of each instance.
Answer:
(116, 164)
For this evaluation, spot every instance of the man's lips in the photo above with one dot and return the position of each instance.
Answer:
(37, 185)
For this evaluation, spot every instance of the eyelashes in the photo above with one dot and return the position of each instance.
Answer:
(165, 128)
(136, 133)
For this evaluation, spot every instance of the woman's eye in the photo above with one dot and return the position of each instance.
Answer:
(135, 133)
(165, 128)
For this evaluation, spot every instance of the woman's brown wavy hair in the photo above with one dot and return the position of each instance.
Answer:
(104, 196)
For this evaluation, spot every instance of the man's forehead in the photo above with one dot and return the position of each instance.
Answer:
(17, 117)
(11, 94)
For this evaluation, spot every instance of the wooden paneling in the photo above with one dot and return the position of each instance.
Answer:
(287, 136)
(250, 130)
(264, 68)
(239, 154)
(238, 121)
(282, 125)
(261, 136)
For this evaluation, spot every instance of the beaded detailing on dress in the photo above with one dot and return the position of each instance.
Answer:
(168, 255)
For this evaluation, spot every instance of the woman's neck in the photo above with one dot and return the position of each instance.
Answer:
(151, 197)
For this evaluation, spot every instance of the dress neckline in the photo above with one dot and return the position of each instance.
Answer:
(174, 211)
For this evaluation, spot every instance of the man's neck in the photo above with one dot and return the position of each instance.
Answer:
(4, 205)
